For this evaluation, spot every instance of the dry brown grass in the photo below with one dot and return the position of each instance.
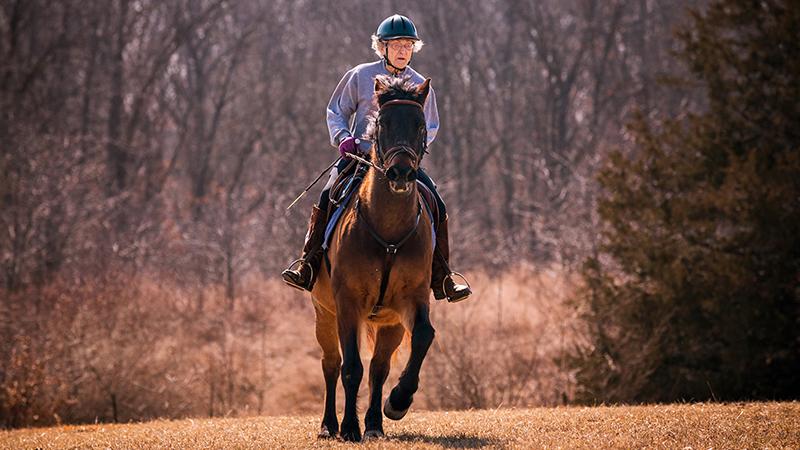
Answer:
(740, 425)
(141, 350)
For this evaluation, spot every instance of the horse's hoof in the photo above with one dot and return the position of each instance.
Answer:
(325, 433)
(392, 413)
(373, 434)
(351, 436)
(350, 433)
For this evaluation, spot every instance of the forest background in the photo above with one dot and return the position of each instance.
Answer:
(621, 176)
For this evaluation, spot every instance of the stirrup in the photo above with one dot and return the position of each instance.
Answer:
(302, 262)
(450, 275)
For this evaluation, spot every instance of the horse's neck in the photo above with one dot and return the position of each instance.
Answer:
(391, 215)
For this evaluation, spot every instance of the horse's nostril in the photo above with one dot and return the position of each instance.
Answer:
(401, 174)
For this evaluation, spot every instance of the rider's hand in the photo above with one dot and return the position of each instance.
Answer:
(348, 145)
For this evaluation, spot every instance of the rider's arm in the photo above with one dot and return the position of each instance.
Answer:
(431, 116)
(342, 106)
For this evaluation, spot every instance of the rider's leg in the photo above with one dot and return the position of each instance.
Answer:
(441, 276)
(304, 276)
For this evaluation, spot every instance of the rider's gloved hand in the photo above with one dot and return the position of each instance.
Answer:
(348, 145)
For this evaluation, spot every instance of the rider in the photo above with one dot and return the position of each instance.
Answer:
(394, 42)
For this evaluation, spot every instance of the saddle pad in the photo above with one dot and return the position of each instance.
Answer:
(334, 219)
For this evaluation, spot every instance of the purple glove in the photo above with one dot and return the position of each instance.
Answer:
(348, 145)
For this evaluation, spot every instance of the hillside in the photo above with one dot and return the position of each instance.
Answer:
(741, 425)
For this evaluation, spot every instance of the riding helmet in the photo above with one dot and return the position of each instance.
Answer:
(397, 27)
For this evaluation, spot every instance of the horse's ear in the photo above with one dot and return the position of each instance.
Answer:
(423, 89)
(380, 84)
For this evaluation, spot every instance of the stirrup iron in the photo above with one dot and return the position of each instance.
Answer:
(450, 275)
(302, 263)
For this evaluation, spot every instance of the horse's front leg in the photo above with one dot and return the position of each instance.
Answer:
(402, 395)
(352, 372)
(386, 342)
(327, 336)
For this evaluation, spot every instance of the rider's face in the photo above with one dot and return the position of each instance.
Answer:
(400, 51)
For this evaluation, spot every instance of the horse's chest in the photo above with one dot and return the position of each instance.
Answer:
(362, 265)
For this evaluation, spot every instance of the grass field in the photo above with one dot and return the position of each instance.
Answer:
(696, 426)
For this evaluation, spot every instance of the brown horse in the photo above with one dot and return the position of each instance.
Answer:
(378, 270)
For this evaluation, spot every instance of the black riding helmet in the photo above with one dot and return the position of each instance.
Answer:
(397, 27)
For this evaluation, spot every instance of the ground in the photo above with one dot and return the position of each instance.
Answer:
(696, 426)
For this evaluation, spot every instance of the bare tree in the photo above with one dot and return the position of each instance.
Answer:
(158, 143)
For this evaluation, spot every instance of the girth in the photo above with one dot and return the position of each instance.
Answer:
(389, 256)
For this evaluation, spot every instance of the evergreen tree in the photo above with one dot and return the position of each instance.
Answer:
(695, 291)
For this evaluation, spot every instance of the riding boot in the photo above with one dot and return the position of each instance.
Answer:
(305, 275)
(441, 276)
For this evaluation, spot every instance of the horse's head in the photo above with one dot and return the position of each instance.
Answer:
(398, 131)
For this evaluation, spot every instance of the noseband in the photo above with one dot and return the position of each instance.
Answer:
(387, 155)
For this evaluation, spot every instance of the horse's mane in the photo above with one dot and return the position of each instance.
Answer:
(393, 88)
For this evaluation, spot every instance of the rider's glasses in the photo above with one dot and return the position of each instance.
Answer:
(395, 45)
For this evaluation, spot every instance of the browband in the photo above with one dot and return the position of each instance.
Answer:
(401, 102)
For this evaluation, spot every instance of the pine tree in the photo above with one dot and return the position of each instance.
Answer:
(695, 292)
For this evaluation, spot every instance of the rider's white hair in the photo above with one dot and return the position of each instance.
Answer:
(377, 45)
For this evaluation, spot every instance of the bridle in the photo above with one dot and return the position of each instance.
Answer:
(383, 157)
(387, 155)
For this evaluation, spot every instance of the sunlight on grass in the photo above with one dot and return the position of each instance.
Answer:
(741, 425)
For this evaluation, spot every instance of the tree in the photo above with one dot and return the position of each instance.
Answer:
(695, 293)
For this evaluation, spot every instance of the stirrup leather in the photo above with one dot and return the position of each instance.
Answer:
(302, 263)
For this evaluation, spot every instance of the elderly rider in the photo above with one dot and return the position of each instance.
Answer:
(394, 42)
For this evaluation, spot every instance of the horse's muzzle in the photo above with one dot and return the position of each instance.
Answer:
(401, 178)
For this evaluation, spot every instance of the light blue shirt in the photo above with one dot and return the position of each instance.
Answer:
(351, 103)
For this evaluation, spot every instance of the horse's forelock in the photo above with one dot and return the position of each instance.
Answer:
(397, 88)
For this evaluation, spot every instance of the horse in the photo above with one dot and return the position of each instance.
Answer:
(376, 274)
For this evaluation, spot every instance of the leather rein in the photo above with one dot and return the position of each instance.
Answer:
(391, 249)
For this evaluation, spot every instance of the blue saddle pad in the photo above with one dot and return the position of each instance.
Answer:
(334, 219)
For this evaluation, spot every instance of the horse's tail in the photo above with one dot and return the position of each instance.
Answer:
(405, 346)
(369, 332)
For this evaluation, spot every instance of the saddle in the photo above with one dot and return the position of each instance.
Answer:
(345, 184)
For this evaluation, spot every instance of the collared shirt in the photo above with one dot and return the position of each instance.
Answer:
(351, 103)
